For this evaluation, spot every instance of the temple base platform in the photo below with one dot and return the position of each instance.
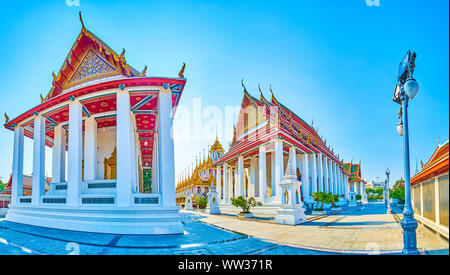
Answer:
(111, 220)
(290, 216)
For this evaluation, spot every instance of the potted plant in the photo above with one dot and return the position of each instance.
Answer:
(333, 200)
(245, 205)
(358, 199)
(320, 198)
(202, 203)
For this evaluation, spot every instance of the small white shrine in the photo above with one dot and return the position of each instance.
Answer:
(188, 205)
(291, 211)
(213, 202)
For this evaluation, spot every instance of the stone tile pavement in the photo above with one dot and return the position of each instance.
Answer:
(360, 230)
(366, 229)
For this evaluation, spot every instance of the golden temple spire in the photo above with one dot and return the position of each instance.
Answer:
(217, 135)
(82, 23)
(181, 73)
(6, 118)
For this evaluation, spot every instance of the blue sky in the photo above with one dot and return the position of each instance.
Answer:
(328, 60)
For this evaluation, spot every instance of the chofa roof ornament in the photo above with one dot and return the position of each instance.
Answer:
(181, 73)
(82, 23)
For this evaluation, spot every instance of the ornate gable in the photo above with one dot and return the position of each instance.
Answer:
(91, 67)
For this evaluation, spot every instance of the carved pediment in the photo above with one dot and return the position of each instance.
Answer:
(92, 66)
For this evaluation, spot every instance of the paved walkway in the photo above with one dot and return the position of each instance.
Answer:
(366, 229)
(198, 239)
(362, 230)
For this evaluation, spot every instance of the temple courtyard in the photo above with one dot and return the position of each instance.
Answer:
(360, 230)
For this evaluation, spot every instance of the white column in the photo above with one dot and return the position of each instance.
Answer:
(253, 175)
(437, 205)
(336, 178)
(226, 184)
(75, 154)
(59, 155)
(319, 172)
(90, 149)
(123, 138)
(166, 154)
(314, 173)
(326, 175)
(219, 183)
(38, 160)
(347, 188)
(334, 183)
(279, 165)
(262, 173)
(421, 199)
(305, 179)
(231, 181)
(17, 173)
(240, 183)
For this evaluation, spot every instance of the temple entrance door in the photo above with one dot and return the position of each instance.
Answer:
(111, 166)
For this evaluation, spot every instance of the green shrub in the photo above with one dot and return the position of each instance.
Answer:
(322, 197)
(398, 193)
(202, 202)
(245, 204)
(358, 197)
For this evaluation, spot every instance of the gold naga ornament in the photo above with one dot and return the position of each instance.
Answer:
(6, 118)
(42, 98)
(308, 140)
(181, 73)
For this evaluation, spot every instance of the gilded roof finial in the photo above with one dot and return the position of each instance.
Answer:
(242, 82)
(82, 23)
(259, 87)
(144, 72)
(54, 76)
(42, 98)
(6, 118)
(181, 73)
(122, 55)
(271, 91)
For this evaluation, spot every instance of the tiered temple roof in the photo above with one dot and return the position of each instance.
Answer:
(280, 122)
(355, 172)
(436, 165)
(71, 73)
(91, 66)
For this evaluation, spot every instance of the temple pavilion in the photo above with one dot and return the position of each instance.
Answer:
(254, 166)
(357, 184)
(197, 180)
(109, 126)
